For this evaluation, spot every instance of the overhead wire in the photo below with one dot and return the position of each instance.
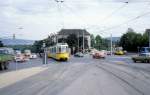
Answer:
(108, 17)
(128, 21)
(76, 15)
(105, 19)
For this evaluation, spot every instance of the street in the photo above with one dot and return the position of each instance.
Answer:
(116, 75)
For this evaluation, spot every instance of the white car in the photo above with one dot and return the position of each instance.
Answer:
(33, 56)
(19, 58)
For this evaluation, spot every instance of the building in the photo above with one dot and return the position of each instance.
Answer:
(64, 33)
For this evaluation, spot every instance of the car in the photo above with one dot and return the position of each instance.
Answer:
(19, 58)
(145, 51)
(91, 53)
(108, 52)
(33, 56)
(96, 55)
(100, 54)
(79, 54)
(120, 52)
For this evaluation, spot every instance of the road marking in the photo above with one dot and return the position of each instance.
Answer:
(119, 62)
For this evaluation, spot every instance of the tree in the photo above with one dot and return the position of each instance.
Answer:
(1, 44)
(131, 40)
(145, 39)
(72, 41)
(81, 43)
(98, 40)
(37, 46)
(105, 44)
(92, 40)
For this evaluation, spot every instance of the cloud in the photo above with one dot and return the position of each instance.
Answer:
(42, 17)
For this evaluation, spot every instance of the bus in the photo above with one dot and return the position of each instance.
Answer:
(60, 51)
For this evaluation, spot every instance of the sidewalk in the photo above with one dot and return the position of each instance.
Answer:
(12, 77)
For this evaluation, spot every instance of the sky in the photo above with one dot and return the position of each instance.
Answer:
(36, 19)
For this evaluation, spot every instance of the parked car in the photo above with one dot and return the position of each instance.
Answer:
(79, 54)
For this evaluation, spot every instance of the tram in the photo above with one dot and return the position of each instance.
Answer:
(60, 51)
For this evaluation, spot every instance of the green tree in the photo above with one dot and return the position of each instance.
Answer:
(38, 47)
(131, 40)
(72, 41)
(145, 39)
(98, 40)
(81, 43)
(92, 40)
(105, 44)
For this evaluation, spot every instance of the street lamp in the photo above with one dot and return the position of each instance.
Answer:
(45, 53)
(111, 43)
(59, 3)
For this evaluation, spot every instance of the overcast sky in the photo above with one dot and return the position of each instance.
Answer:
(35, 19)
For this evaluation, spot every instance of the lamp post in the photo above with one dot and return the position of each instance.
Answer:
(83, 41)
(111, 44)
(45, 53)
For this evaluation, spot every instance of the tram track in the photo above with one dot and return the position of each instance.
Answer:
(131, 80)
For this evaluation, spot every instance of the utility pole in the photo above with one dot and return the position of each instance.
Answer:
(111, 43)
(59, 2)
(83, 41)
(45, 53)
(78, 41)
(149, 37)
(148, 31)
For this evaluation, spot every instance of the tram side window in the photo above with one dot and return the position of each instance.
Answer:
(59, 49)
(54, 49)
(51, 50)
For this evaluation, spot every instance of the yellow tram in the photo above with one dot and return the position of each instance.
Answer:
(59, 52)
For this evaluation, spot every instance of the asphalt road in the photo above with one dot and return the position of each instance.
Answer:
(86, 76)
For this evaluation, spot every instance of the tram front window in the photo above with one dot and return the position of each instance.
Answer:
(63, 49)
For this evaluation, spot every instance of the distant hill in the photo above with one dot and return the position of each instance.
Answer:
(114, 39)
(17, 42)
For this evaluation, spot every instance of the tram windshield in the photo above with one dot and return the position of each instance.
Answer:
(62, 49)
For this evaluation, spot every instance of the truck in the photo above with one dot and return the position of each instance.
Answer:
(6, 55)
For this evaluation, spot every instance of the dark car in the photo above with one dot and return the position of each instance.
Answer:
(79, 54)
